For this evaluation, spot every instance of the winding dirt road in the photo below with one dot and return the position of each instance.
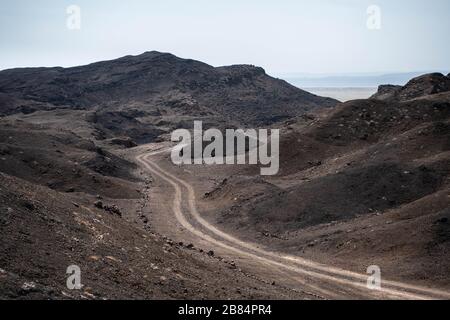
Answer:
(315, 280)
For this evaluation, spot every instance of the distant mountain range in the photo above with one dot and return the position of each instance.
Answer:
(351, 80)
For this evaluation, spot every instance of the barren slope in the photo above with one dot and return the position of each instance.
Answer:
(366, 183)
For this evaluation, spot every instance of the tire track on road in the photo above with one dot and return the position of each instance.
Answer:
(301, 267)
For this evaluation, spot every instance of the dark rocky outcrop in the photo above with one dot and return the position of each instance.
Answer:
(424, 85)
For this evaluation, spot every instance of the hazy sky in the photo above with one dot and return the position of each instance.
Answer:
(315, 36)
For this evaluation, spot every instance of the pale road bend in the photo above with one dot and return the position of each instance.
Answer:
(298, 267)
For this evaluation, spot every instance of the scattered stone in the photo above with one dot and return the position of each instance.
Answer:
(125, 142)
(27, 287)
(28, 205)
(154, 266)
(89, 295)
(211, 253)
(98, 204)
(5, 150)
(94, 258)
(111, 258)
(113, 210)
(443, 220)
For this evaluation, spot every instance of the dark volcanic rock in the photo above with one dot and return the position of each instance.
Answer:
(125, 142)
(421, 86)
(124, 123)
(425, 85)
(386, 92)
(160, 82)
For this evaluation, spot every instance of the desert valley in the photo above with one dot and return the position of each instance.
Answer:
(87, 180)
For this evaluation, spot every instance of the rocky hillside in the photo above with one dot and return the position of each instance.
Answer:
(68, 197)
(157, 88)
(418, 87)
(380, 165)
(45, 231)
